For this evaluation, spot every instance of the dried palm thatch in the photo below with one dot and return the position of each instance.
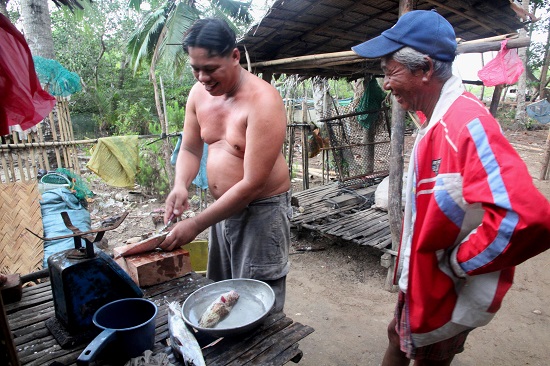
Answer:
(20, 251)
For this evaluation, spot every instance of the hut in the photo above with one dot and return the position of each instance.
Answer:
(313, 38)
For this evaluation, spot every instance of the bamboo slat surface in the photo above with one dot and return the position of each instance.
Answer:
(272, 343)
(20, 251)
(352, 220)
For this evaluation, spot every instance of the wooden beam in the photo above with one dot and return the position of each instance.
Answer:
(458, 12)
(348, 57)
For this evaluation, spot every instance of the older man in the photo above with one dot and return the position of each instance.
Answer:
(242, 119)
(472, 212)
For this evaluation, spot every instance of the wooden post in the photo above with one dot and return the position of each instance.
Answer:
(496, 99)
(7, 346)
(305, 150)
(545, 160)
(395, 191)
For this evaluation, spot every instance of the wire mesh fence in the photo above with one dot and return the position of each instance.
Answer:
(360, 152)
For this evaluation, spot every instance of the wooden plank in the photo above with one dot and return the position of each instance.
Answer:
(271, 347)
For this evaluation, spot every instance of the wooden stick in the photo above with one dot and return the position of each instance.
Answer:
(546, 160)
(346, 57)
(5, 168)
(19, 162)
(44, 152)
(54, 136)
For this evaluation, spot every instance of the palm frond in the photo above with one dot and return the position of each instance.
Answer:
(143, 39)
(237, 10)
(179, 21)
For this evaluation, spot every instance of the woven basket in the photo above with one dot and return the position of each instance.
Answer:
(20, 251)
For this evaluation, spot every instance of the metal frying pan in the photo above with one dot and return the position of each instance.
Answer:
(256, 298)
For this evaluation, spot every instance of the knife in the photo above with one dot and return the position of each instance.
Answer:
(168, 224)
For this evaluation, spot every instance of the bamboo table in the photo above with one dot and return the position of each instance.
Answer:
(272, 343)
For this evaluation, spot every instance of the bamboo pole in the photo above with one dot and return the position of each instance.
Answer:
(5, 168)
(348, 57)
(70, 137)
(13, 178)
(32, 158)
(54, 137)
(63, 134)
(546, 160)
(19, 162)
(42, 149)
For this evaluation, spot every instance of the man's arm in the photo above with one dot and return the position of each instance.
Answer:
(188, 162)
(265, 134)
(516, 220)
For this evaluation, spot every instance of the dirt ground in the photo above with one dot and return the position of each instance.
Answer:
(339, 290)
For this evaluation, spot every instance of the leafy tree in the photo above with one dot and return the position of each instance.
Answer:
(158, 37)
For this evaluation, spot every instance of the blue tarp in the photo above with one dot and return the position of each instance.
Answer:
(52, 204)
(201, 180)
(540, 111)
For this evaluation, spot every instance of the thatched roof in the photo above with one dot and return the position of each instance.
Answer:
(295, 28)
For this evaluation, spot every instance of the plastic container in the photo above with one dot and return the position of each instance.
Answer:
(198, 254)
(53, 181)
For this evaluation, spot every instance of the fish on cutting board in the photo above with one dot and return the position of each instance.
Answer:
(183, 342)
(143, 246)
(218, 309)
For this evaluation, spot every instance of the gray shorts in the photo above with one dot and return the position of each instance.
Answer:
(254, 244)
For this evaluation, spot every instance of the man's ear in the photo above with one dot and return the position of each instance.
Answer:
(428, 69)
(236, 55)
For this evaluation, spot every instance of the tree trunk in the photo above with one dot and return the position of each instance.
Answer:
(4, 8)
(544, 69)
(37, 27)
(521, 113)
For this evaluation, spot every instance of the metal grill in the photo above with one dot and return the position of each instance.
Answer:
(361, 155)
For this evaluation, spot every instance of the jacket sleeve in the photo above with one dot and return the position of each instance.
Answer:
(516, 219)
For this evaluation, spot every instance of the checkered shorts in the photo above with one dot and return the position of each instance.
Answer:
(435, 352)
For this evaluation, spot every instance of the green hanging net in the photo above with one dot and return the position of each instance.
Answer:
(60, 81)
(80, 188)
(371, 100)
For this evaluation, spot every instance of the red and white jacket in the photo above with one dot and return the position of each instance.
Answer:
(472, 214)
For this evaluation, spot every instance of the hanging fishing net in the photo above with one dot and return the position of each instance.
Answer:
(59, 81)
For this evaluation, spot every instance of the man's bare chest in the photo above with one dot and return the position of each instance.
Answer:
(223, 122)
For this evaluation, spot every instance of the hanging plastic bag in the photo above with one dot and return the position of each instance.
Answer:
(505, 68)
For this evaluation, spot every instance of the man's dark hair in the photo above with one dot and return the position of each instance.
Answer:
(212, 34)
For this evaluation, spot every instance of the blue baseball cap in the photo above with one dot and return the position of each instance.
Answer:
(423, 30)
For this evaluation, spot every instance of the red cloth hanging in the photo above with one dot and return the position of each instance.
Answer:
(22, 100)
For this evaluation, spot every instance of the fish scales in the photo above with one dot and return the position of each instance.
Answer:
(182, 340)
(218, 309)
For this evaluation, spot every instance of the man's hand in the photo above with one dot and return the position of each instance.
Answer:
(176, 203)
(182, 233)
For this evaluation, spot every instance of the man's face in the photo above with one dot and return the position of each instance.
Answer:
(405, 85)
(213, 71)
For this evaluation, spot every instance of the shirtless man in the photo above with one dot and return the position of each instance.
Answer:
(243, 121)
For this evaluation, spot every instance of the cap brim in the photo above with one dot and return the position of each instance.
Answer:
(377, 47)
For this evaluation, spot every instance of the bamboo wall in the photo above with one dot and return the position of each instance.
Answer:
(45, 148)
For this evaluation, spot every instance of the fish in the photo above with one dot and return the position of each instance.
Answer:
(218, 309)
(143, 246)
(183, 342)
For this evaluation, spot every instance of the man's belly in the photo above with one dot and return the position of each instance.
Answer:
(224, 170)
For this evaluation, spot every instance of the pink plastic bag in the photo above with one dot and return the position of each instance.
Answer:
(505, 68)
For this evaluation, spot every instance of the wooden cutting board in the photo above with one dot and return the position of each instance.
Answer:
(154, 267)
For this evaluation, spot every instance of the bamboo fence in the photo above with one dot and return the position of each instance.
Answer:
(22, 156)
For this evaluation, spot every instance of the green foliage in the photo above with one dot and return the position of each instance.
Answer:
(176, 115)
(152, 176)
(132, 119)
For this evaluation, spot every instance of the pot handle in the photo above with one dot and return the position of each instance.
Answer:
(93, 349)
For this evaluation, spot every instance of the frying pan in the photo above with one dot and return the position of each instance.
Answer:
(256, 299)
